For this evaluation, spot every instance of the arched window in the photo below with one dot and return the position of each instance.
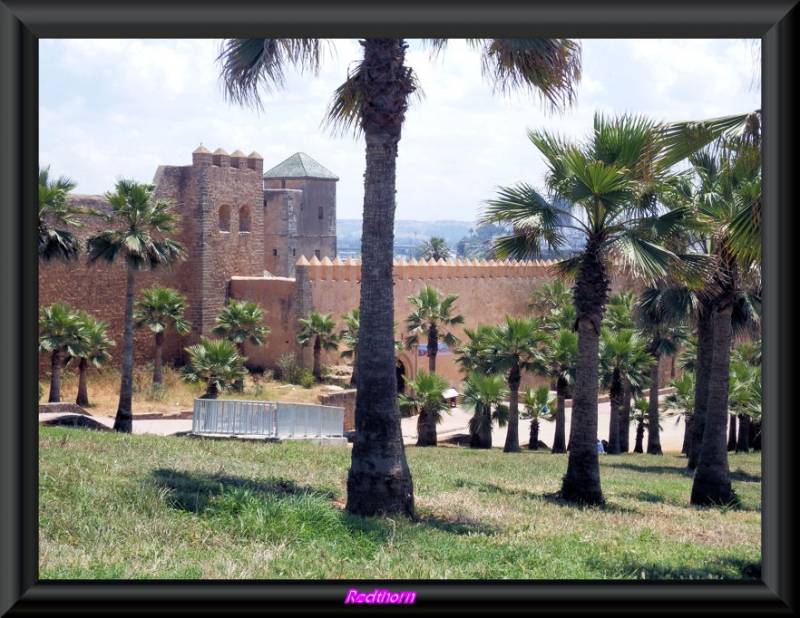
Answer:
(244, 218)
(225, 218)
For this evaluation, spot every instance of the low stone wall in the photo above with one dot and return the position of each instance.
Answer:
(343, 399)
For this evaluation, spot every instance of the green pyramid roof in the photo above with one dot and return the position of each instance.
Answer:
(300, 165)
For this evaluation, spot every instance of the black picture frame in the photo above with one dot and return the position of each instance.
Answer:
(24, 22)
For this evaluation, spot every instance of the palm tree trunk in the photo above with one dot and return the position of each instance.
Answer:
(123, 421)
(687, 434)
(238, 383)
(559, 443)
(712, 480)
(743, 443)
(638, 446)
(653, 434)
(55, 377)
(625, 418)
(433, 347)
(615, 401)
(581, 483)
(512, 431)
(731, 432)
(317, 360)
(533, 441)
(158, 358)
(82, 398)
(379, 480)
(705, 341)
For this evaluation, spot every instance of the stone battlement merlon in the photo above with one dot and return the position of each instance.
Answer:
(350, 269)
(203, 157)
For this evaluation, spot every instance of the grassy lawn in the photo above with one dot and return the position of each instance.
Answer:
(122, 506)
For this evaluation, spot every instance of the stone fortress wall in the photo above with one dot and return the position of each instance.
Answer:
(272, 239)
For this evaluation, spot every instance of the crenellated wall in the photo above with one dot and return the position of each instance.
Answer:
(488, 291)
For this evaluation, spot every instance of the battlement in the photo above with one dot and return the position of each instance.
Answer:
(350, 269)
(203, 157)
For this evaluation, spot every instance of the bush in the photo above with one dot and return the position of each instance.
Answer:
(307, 379)
(41, 391)
(288, 370)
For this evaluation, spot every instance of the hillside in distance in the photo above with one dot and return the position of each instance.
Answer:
(406, 232)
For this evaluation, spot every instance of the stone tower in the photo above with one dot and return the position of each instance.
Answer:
(219, 198)
(299, 214)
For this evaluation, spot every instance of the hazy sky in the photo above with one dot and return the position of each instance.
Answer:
(114, 108)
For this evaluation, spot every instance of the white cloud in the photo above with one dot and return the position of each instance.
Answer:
(116, 107)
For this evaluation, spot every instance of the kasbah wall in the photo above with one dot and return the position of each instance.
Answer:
(273, 241)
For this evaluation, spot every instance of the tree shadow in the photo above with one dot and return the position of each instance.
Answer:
(684, 472)
(745, 477)
(193, 492)
(716, 569)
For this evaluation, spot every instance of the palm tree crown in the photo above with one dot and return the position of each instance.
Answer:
(432, 317)
(159, 309)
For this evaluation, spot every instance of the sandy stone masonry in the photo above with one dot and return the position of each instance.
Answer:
(271, 237)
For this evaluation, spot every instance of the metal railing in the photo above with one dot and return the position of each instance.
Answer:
(266, 418)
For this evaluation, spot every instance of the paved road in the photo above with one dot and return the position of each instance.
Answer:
(454, 423)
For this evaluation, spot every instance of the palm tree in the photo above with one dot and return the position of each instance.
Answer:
(56, 214)
(317, 330)
(435, 248)
(736, 164)
(614, 179)
(92, 347)
(374, 100)
(59, 334)
(514, 348)
(665, 336)
(680, 403)
(160, 309)
(623, 358)
(215, 362)
(432, 318)
(560, 354)
(550, 297)
(349, 337)
(139, 241)
(537, 404)
(240, 322)
(485, 395)
(427, 401)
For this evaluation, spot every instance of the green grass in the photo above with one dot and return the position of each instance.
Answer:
(121, 506)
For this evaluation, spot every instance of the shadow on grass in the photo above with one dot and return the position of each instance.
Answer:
(193, 492)
(745, 477)
(724, 568)
(612, 462)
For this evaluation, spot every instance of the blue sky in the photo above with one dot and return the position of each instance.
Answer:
(111, 108)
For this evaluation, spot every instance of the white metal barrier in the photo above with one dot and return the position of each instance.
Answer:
(266, 418)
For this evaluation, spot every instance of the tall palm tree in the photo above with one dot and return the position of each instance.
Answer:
(59, 334)
(427, 401)
(159, 309)
(56, 214)
(317, 330)
(485, 395)
(435, 248)
(432, 318)
(514, 348)
(240, 322)
(736, 164)
(216, 362)
(92, 348)
(139, 240)
(374, 100)
(614, 179)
